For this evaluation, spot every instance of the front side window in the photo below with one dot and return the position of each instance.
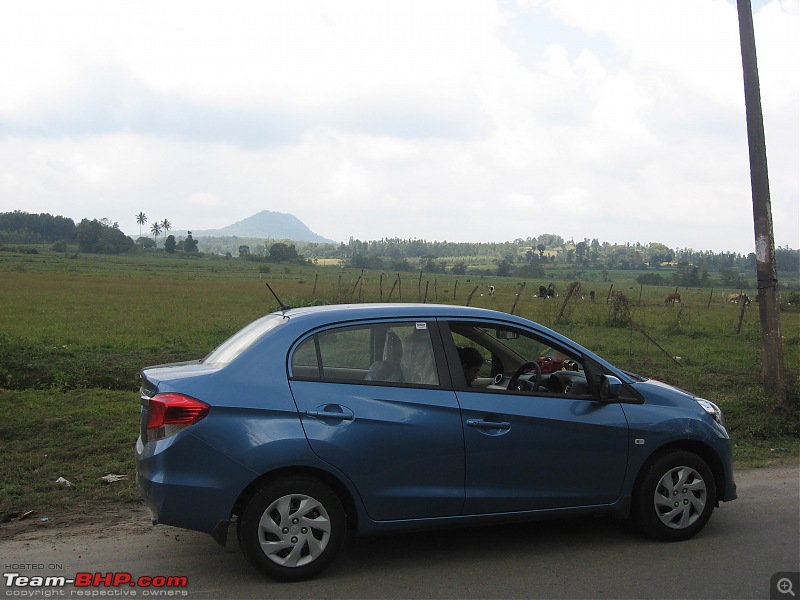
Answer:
(502, 358)
(399, 353)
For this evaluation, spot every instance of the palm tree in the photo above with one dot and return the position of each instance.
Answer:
(165, 226)
(155, 229)
(141, 219)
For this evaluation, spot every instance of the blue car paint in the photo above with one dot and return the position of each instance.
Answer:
(188, 483)
(404, 454)
(680, 418)
(256, 430)
(547, 437)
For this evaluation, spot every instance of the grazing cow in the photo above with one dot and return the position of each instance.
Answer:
(616, 294)
(591, 295)
(737, 298)
(542, 292)
(673, 298)
(491, 290)
(551, 291)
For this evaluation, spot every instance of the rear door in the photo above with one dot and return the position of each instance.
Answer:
(373, 404)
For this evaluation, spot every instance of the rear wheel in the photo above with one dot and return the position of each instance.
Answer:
(292, 528)
(676, 497)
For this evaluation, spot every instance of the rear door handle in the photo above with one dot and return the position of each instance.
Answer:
(332, 412)
(481, 424)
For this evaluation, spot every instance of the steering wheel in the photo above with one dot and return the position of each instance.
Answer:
(523, 386)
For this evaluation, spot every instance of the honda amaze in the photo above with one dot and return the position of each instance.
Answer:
(314, 421)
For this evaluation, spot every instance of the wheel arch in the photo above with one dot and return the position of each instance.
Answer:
(702, 450)
(338, 487)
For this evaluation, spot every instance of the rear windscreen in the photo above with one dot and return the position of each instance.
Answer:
(242, 340)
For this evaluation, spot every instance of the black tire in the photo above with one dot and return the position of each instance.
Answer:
(292, 528)
(675, 497)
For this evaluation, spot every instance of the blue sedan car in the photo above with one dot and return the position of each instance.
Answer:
(310, 422)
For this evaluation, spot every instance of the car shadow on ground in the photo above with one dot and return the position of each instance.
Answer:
(441, 547)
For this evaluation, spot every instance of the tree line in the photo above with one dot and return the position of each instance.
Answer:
(523, 257)
(92, 236)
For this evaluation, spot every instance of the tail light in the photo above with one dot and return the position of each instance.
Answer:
(169, 413)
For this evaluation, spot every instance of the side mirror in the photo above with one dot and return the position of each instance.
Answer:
(610, 387)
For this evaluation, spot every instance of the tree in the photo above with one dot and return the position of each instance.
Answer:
(244, 250)
(189, 244)
(165, 226)
(428, 263)
(141, 219)
(687, 275)
(650, 279)
(155, 229)
(27, 228)
(658, 253)
(170, 244)
(580, 252)
(145, 243)
(280, 252)
(100, 238)
(504, 267)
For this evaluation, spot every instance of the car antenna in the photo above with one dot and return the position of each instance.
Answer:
(282, 305)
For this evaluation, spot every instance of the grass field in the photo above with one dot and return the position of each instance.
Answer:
(75, 331)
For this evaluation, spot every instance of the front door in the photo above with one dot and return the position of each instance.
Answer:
(527, 452)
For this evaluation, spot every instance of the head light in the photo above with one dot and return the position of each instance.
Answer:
(712, 409)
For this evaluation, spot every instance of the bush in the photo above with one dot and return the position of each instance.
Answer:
(650, 279)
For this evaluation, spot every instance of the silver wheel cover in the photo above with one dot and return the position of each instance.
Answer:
(294, 530)
(680, 497)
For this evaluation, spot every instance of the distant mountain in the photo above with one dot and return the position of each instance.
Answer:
(267, 224)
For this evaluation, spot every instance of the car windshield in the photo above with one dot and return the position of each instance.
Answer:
(242, 340)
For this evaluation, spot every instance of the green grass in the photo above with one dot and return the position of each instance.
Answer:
(80, 435)
(76, 330)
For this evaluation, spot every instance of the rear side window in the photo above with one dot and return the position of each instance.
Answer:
(385, 352)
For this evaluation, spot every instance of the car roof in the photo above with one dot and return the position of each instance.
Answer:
(313, 316)
(396, 309)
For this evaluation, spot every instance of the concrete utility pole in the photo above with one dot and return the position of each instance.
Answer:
(772, 369)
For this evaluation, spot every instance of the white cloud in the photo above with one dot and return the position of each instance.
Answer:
(444, 119)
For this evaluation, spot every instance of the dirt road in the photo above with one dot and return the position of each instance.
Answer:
(746, 543)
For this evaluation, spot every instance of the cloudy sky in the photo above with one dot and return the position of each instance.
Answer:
(458, 120)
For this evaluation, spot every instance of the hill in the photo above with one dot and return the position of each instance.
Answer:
(267, 225)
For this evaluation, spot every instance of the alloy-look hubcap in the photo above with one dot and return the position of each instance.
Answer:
(294, 530)
(680, 497)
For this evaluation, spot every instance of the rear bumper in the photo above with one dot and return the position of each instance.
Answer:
(187, 483)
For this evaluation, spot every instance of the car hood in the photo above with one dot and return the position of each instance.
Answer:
(658, 392)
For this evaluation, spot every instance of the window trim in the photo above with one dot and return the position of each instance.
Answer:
(432, 325)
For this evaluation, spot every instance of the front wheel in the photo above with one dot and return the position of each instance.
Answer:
(292, 528)
(675, 497)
